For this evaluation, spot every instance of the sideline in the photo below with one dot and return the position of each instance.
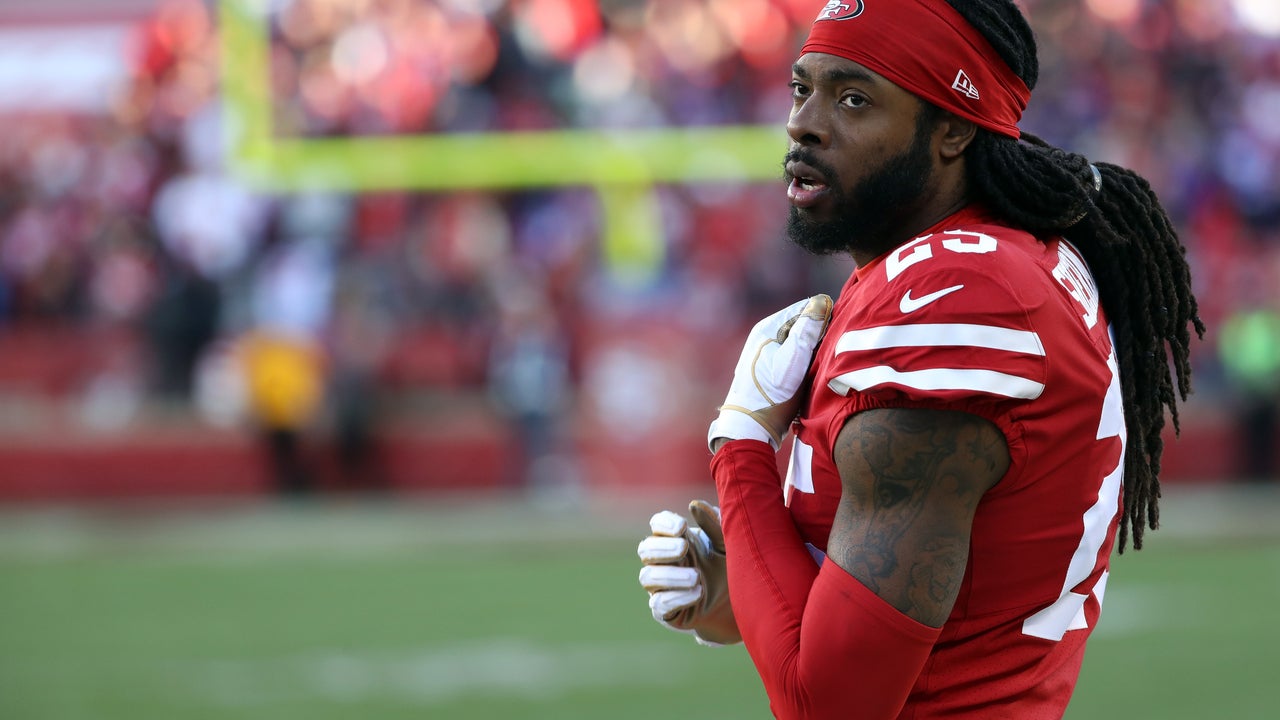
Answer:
(1211, 513)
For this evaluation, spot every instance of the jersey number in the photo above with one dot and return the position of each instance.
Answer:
(1067, 612)
(921, 249)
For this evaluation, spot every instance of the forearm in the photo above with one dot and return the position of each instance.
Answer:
(824, 645)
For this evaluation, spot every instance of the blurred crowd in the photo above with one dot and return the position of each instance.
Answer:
(288, 310)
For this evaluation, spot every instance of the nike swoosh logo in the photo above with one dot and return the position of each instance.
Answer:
(910, 304)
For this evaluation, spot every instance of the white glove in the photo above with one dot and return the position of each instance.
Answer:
(769, 373)
(685, 574)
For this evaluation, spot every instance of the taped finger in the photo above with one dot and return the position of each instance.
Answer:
(661, 549)
(667, 523)
(669, 602)
(668, 577)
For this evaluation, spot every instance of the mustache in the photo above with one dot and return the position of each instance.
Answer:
(804, 155)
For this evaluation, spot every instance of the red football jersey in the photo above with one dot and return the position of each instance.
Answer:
(978, 317)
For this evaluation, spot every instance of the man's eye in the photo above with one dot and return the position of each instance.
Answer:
(799, 89)
(854, 100)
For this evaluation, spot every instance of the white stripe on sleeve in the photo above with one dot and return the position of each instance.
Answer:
(984, 381)
(941, 334)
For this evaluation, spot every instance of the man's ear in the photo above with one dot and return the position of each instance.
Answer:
(954, 133)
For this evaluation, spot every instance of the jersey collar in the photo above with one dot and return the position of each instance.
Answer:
(971, 214)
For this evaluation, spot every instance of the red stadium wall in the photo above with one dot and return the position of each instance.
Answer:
(46, 456)
(219, 463)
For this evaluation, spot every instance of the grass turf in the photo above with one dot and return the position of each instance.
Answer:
(312, 613)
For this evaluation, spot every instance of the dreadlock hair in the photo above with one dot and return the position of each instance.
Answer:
(1128, 242)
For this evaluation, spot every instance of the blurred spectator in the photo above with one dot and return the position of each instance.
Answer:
(182, 323)
(291, 294)
(284, 387)
(359, 338)
(1249, 346)
(529, 383)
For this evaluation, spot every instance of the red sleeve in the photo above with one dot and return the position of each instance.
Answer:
(825, 645)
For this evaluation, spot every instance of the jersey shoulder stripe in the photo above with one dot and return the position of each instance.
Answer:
(939, 380)
(939, 335)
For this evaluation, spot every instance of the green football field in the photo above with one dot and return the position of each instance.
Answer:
(501, 609)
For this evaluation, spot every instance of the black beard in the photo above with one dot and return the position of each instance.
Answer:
(868, 218)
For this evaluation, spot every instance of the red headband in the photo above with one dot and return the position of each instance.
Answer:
(928, 49)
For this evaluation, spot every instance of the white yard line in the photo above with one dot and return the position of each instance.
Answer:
(1148, 608)
(495, 667)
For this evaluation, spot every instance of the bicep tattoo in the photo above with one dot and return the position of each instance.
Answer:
(912, 481)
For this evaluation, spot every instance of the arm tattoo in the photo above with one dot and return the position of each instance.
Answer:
(912, 480)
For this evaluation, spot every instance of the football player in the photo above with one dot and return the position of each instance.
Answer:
(976, 418)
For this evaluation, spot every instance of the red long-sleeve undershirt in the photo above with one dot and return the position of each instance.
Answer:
(824, 645)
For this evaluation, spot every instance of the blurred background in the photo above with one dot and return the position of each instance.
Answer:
(325, 392)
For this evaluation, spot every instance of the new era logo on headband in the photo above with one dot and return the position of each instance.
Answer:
(836, 10)
(964, 86)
